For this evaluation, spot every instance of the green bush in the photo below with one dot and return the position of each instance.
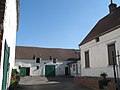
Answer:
(15, 77)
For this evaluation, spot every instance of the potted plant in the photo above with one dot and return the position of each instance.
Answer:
(15, 77)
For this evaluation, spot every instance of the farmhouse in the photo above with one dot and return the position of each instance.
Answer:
(35, 61)
(101, 44)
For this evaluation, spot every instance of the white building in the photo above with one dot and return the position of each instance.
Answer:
(100, 43)
(75, 68)
(33, 61)
(9, 13)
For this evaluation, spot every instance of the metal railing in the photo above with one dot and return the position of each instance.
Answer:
(116, 69)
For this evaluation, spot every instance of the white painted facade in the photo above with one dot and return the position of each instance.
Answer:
(98, 54)
(9, 29)
(59, 66)
(75, 69)
(79, 67)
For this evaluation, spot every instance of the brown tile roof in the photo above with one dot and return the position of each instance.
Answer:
(105, 25)
(23, 52)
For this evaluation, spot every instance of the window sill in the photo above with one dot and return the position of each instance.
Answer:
(87, 68)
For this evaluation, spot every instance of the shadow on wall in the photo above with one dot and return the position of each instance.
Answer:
(60, 70)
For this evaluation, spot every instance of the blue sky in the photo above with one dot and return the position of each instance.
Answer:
(58, 23)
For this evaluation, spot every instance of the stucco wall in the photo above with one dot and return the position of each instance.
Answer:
(59, 66)
(10, 28)
(79, 67)
(73, 69)
(98, 54)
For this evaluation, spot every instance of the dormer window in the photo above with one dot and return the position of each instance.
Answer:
(50, 58)
(37, 67)
(97, 39)
(33, 56)
(37, 60)
(54, 60)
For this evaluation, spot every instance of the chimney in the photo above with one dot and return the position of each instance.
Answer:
(112, 7)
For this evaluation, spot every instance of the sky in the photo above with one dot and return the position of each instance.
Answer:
(58, 23)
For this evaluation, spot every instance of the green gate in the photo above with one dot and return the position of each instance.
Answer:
(49, 70)
(22, 71)
(5, 65)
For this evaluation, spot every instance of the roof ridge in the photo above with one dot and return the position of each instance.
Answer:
(45, 48)
(104, 25)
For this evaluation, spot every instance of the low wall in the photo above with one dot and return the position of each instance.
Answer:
(92, 83)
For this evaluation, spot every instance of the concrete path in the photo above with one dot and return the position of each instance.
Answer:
(50, 83)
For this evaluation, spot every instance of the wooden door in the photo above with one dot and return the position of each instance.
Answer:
(49, 70)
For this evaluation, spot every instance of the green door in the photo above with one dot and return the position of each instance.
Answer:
(5, 65)
(22, 71)
(49, 70)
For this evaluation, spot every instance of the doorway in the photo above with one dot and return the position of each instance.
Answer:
(28, 71)
(66, 71)
(49, 70)
(25, 71)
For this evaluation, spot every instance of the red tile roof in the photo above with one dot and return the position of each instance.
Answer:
(23, 52)
(105, 25)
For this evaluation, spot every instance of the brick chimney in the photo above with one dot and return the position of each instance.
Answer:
(112, 7)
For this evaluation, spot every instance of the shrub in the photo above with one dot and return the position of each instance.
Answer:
(15, 77)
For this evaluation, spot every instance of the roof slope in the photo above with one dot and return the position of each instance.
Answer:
(105, 25)
(45, 53)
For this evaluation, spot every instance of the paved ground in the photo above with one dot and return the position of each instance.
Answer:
(51, 83)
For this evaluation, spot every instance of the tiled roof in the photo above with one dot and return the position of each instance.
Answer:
(23, 52)
(105, 25)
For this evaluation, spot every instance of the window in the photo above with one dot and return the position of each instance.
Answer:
(97, 39)
(37, 60)
(111, 51)
(50, 58)
(19, 67)
(37, 67)
(54, 60)
(33, 56)
(87, 63)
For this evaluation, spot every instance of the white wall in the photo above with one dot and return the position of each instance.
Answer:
(98, 54)
(79, 67)
(59, 66)
(77, 71)
(10, 28)
(73, 69)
